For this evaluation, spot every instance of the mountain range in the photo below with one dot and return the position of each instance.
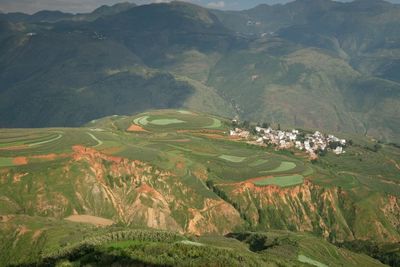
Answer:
(308, 63)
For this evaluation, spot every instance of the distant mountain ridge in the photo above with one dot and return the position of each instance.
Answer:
(54, 16)
(308, 63)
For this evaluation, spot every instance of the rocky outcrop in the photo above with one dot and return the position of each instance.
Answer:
(89, 182)
(333, 213)
(127, 191)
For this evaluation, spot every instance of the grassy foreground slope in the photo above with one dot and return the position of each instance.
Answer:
(179, 171)
(61, 243)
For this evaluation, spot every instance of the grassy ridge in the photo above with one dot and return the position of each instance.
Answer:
(63, 242)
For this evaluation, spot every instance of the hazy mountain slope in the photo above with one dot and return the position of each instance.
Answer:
(271, 18)
(41, 16)
(108, 10)
(82, 70)
(55, 16)
(363, 32)
(155, 31)
(307, 88)
(327, 65)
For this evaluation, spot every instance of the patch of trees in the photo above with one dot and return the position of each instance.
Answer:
(386, 253)
(144, 248)
(375, 148)
(220, 193)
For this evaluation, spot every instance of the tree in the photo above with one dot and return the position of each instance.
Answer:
(334, 145)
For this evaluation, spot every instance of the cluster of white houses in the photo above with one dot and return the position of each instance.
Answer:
(311, 143)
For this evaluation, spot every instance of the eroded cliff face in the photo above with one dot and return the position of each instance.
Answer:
(335, 214)
(143, 195)
(136, 193)
(127, 191)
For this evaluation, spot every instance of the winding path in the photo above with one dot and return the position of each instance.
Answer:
(99, 142)
(47, 141)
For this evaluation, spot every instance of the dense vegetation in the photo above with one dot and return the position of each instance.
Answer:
(386, 253)
(134, 247)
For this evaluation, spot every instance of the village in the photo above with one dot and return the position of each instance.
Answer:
(314, 144)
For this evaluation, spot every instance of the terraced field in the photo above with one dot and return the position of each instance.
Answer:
(180, 171)
(282, 181)
(167, 136)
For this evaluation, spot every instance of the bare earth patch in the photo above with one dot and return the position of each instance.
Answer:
(20, 147)
(136, 128)
(212, 136)
(20, 161)
(98, 221)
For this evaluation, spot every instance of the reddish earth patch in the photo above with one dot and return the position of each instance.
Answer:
(50, 156)
(111, 150)
(36, 235)
(47, 157)
(145, 188)
(136, 128)
(200, 174)
(201, 131)
(17, 177)
(22, 230)
(148, 190)
(14, 147)
(180, 165)
(81, 152)
(20, 161)
(212, 136)
(6, 218)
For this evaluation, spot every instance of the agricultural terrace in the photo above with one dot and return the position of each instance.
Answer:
(20, 146)
(190, 144)
(170, 120)
(223, 160)
(282, 181)
(194, 145)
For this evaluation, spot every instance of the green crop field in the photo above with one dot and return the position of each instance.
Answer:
(258, 162)
(166, 121)
(282, 181)
(5, 162)
(177, 120)
(232, 158)
(306, 259)
(284, 166)
(216, 123)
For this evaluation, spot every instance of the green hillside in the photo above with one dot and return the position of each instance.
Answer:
(178, 170)
(81, 244)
